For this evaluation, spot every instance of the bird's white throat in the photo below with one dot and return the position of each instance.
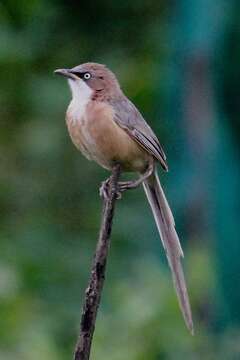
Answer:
(81, 94)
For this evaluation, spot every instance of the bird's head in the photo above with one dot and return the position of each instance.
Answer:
(96, 79)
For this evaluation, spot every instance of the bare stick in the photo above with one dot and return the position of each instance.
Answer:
(94, 289)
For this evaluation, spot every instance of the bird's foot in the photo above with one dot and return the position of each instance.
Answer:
(104, 190)
(125, 185)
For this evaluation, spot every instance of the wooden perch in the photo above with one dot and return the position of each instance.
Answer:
(95, 286)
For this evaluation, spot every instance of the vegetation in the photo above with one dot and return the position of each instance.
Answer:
(180, 65)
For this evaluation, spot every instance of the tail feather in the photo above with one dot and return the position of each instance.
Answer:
(166, 227)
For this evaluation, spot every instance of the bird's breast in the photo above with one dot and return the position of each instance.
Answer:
(99, 138)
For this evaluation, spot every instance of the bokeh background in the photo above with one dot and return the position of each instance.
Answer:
(179, 62)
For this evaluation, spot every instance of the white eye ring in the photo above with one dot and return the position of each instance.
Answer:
(87, 76)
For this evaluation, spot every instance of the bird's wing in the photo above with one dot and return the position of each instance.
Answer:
(129, 118)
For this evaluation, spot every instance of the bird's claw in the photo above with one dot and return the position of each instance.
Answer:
(119, 195)
(104, 190)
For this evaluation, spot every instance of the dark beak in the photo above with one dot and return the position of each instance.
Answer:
(66, 72)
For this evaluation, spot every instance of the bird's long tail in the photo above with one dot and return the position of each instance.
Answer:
(166, 227)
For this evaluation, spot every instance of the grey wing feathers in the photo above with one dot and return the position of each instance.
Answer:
(129, 118)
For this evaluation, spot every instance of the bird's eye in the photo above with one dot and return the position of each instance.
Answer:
(87, 76)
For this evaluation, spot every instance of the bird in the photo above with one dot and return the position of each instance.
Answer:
(108, 128)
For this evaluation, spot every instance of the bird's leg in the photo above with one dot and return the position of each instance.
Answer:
(126, 185)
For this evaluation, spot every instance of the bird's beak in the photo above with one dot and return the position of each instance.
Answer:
(66, 72)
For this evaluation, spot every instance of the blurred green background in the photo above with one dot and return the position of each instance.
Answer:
(179, 62)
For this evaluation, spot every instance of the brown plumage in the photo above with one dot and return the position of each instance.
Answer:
(109, 143)
(106, 127)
